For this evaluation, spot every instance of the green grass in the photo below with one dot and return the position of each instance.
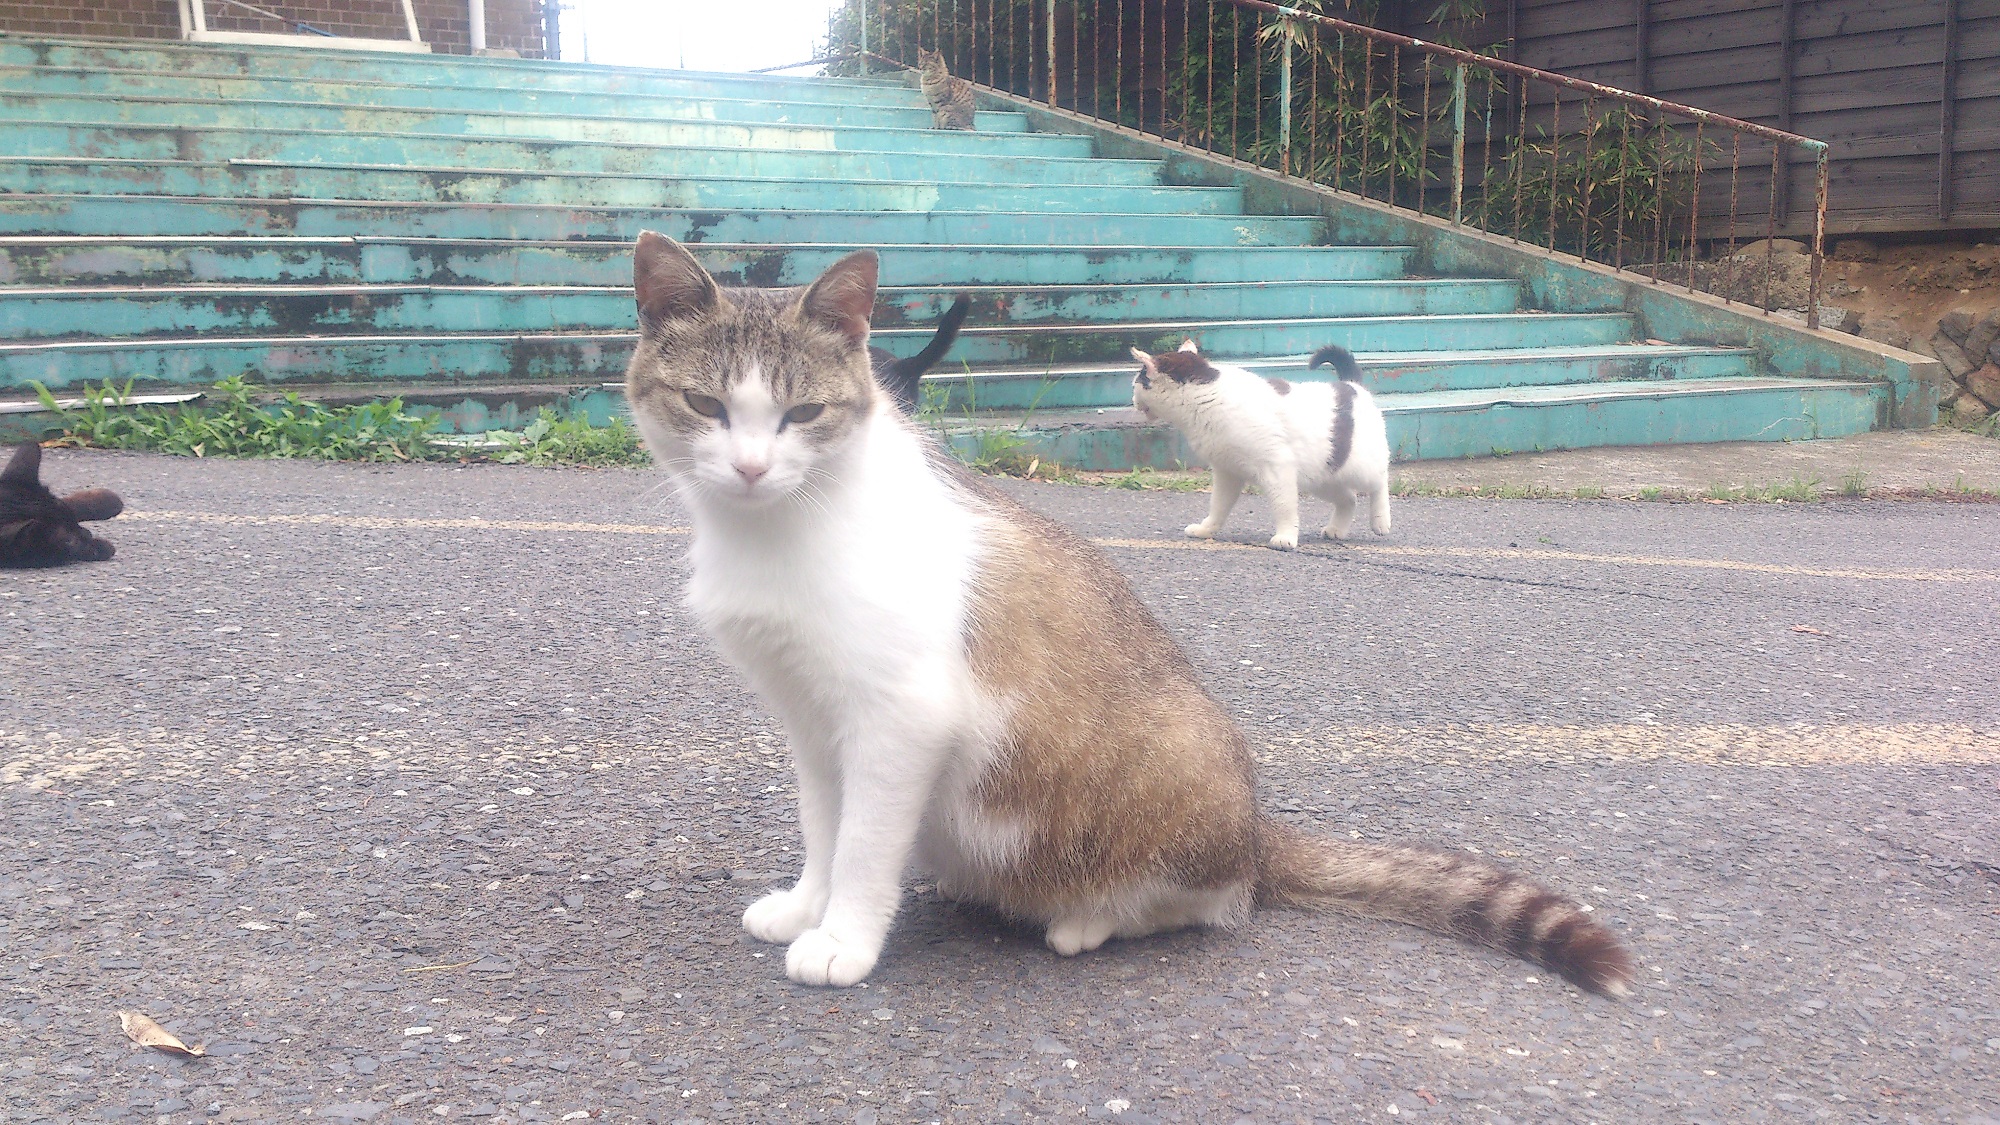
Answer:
(1855, 483)
(1145, 479)
(1798, 490)
(233, 421)
(1001, 450)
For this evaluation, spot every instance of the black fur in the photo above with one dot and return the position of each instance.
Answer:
(1342, 360)
(39, 529)
(899, 376)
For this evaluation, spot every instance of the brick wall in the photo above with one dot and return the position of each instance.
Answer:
(512, 24)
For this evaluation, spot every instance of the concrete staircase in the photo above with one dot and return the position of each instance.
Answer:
(456, 230)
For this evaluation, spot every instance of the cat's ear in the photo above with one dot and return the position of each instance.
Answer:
(1148, 369)
(1187, 345)
(93, 504)
(25, 467)
(844, 296)
(668, 283)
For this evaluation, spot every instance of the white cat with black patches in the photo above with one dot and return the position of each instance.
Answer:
(1326, 439)
(968, 688)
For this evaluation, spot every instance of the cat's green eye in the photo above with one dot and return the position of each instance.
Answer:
(707, 407)
(800, 415)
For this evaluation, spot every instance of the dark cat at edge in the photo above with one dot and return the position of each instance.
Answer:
(38, 528)
(899, 376)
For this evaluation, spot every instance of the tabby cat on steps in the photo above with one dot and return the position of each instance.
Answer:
(969, 688)
(950, 98)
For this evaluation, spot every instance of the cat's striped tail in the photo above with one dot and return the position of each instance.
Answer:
(1463, 896)
(1342, 360)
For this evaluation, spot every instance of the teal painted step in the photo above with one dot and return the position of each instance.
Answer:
(1110, 385)
(982, 346)
(127, 312)
(113, 145)
(23, 84)
(466, 357)
(414, 361)
(1479, 423)
(389, 183)
(22, 109)
(115, 215)
(62, 261)
(443, 70)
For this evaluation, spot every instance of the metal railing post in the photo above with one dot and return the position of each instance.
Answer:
(1819, 243)
(1458, 144)
(864, 38)
(1052, 55)
(1285, 99)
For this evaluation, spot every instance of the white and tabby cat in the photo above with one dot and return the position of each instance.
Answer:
(1326, 439)
(950, 98)
(966, 685)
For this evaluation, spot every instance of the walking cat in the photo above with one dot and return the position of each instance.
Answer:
(1285, 438)
(901, 377)
(967, 686)
(39, 529)
(950, 98)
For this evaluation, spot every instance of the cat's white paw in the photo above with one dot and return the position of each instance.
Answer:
(1333, 532)
(1071, 936)
(1285, 541)
(1380, 522)
(818, 957)
(781, 916)
(1200, 531)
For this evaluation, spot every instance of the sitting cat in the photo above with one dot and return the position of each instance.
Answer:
(968, 686)
(1285, 438)
(950, 98)
(900, 376)
(37, 528)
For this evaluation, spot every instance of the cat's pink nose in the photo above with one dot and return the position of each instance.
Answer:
(751, 472)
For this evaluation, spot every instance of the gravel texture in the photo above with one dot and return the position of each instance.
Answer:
(412, 813)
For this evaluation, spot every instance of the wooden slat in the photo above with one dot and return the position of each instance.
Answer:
(1885, 50)
(1821, 19)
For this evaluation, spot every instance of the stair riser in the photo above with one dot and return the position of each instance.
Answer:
(22, 112)
(192, 217)
(475, 263)
(318, 360)
(1025, 347)
(569, 360)
(218, 146)
(1474, 374)
(398, 185)
(1085, 391)
(444, 70)
(83, 315)
(73, 86)
(1775, 415)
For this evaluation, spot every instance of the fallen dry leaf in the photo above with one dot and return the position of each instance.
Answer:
(140, 1029)
(1807, 629)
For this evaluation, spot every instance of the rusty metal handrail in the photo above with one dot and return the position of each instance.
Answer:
(1380, 148)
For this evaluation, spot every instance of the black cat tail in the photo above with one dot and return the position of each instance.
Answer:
(941, 341)
(1342, 360)
(25, 467)
(904, 373)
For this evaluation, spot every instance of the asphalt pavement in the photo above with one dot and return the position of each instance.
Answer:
(412, 794)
